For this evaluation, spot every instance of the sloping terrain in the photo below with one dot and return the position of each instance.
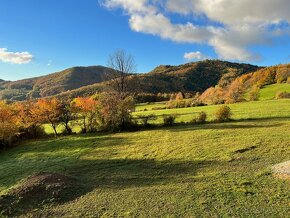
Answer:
(197, 76)
(191, 77)
(80, 81)
(211, 170)
(52, 84)
(260, 85)
(269, 92)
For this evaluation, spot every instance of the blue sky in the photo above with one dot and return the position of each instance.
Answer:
(65, 33)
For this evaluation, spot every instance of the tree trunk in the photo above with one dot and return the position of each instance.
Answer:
(54, 129)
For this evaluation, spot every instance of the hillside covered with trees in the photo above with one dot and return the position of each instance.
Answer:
(51, 84)
(85, 81)
(248, 86)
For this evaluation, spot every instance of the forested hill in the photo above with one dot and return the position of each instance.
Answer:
(197, 76)
(191, 77)
(52, 84)
(78, 81)
(2, 81)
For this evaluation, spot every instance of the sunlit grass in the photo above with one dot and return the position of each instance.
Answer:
(244, 110)
(210, 170)
(179, 171)
(269, 92)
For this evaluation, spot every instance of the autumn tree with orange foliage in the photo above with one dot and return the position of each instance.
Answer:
(86, 109)
(235, 92)
(179, 96)
(8, 127)
(115, 112)
(213, 95)
(48, 111)
(27, 119)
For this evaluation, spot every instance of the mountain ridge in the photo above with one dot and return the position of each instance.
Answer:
(52, 84)
(78, 81)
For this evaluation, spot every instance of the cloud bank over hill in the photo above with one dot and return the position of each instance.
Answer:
(230, 27)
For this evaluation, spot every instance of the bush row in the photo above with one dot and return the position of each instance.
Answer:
(222, 114)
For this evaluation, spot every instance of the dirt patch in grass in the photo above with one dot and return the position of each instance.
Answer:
(39, 190)
(282, 170)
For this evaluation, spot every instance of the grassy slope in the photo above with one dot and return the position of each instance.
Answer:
(245, 110)
(181, 171)
(269, 92)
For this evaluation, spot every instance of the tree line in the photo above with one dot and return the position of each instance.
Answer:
(232, 89)
(97, 113)
(106, 111)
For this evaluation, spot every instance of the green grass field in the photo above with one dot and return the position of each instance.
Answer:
(211, 170)
(244, 110)
(269, 92)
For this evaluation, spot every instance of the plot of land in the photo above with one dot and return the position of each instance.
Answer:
(211, 170)
(269, 92)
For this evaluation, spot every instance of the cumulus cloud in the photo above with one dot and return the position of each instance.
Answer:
(232, 26)
(196, 55)
(15, 57)
(158, 24)
(131, 6)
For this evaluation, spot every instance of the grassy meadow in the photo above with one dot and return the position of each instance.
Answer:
(269, 92)
(211, 170)
(241, 111)
(265, 108)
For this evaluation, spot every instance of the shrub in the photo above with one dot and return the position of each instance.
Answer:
(115, 112)
(158, 108)
(32, 132)
(179, 96)
(201, 117)
(280, 95)
(48, 111)
(180, 103)
(8, 127)
(7, 131)
(169, 120)
(213, 96)
(254, 93)
(235, 92)
(146, 118)
(223, 113)
(197, 103)
(85, 109)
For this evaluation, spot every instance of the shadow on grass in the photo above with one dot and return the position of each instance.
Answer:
(112, 174)
(232, 124)
(124, 173)
(223, 126)
(55, 155)
(81, 141)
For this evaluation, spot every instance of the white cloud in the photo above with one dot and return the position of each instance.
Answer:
(131, 6)
(49, 63)
(242, 23)
(15, 57)
(196, 55)
(158, 24)
(235, 11)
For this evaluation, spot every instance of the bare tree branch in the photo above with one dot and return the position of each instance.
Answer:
(122, 67)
